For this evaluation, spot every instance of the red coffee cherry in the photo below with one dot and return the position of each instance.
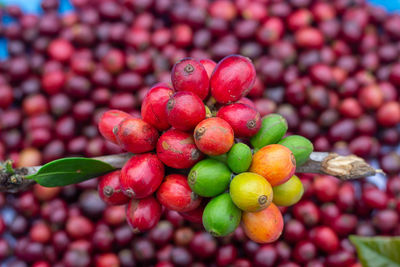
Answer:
(143, 214)
(209, 66)
(185, 110)
(108, 121)
(136, 135)
(232, 79)
(175, 194)
(141, 175)
(245, 121)
(153, 106)
(214, 136)
(190, 75)
(177, 149)
(110, 190)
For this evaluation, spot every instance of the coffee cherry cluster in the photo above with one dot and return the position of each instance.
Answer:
(203, 150)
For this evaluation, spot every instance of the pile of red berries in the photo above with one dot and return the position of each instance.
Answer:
(190, 131)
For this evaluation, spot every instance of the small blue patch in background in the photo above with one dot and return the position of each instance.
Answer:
(389, 5)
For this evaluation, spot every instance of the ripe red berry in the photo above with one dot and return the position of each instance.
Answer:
(108, 121)
(371, 97)
(194, 216)
(248, 102)
(209, 66)
(114, 61)
(386, 220)
(107, 260)
(6, 96)
(177, 149)
(185, 110)
(190, 75)
(294, 231)
(304, 251)
(345, 224)
(136, 135)
(110, 190)
(326, 188)
(143, 214)
(141, 175)
(309, 38)
(60, 49)
(214, 136)
(329, 212)
(388, 114)
(244, 120)
(79, 227)
(306, 212)
(232, 79)
(53, 82)
(324, 238)
(346, 197)
(153, 106)
(375, 198)
(175, 194)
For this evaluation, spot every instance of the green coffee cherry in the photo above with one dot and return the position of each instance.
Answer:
(288, 193)
(221, 217)
(273, 128)
(239, 158)
(300, 146)
(209, 177)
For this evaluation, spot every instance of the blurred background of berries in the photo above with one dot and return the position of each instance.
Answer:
(331, 68)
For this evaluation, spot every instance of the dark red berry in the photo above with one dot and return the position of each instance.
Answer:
(141, 175)
(110, 190)
(175, 194)
(185, 110)
(190, 75)
(136, 135)
(143, 214)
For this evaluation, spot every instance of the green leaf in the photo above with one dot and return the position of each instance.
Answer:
(66, 171)
(379, 251)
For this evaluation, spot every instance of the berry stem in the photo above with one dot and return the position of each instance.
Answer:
(343, 167)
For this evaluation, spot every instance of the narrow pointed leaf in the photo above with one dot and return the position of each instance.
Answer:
(377, 251)
(68, 171)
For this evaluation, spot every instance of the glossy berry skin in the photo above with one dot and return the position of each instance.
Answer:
(6, 96)
(110, 190)
(340, 258)
(306, 212)
(304, 251)
(143, 214)
(185, 110)
(275, 163)
(294, 231)
(175, 194)
(177, 149)
(245, 121)
(194, 216)
(141, 175)
(232, 79)
(107, 260)
(214, 136)
(203, 245)
(108, 121)
(60, 50)
(324, 238)
(190, 75)
(264, 226)
(209, 66)
(136, 135)
(153, 106)
(326, 188)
